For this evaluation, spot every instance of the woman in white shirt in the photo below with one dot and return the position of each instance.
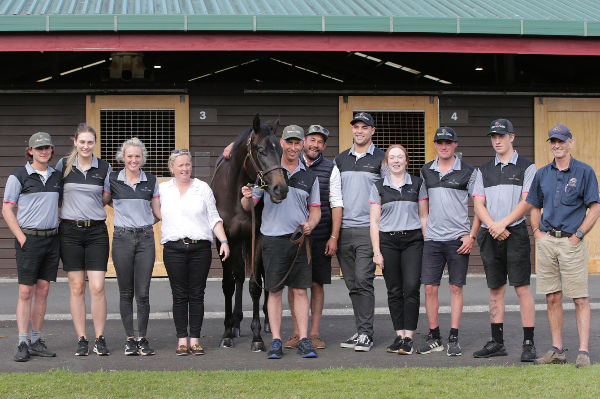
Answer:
(189, 219)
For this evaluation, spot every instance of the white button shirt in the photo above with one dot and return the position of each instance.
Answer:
(192, 215)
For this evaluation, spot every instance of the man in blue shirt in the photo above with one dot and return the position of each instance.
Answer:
(567, 191)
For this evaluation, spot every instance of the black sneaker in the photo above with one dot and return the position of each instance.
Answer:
(38, 348)
(100, 347)
(22, 354)
(395, 346)
(306, 348)
(276, 351)
(453, 346)
(529, 354)
(364, 343)
(491, 349)
(407, 347)
(350, 342)
(131, 347)
(144, 347)
(430, 345)
(82, 347)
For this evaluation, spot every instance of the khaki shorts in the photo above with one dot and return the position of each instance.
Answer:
(562, 266)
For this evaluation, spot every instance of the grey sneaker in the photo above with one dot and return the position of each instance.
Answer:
(552, 357)
(529, 354)
(22, 354)
(350, 342)
(453, 346)
(583, 360)
(364, 343)
(38, 348)
(430, 345)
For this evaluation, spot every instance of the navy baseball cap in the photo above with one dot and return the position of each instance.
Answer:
(560, 132)
(363, 117)
(501, 126)
(445, 133)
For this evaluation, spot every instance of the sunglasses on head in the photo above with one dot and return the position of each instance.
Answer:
(182, 151)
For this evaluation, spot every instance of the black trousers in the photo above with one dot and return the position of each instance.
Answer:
(187, 267)
(402, 255)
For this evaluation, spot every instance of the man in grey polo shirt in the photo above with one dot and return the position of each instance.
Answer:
(359, 167)
(501, 187)
(299, 211)
(449, 237)
(33, 191)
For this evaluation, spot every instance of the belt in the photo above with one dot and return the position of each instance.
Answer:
(393, 233)
(43, 233)
(134, 229)
(83, 223)
(559, 234)
(188, 241)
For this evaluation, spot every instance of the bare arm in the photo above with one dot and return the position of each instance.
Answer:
(220, 234)
(106, 198)
(336, 222)
(314, 215)
(8, 213)
(589, 221)
(469, 240)
(423, 214)
(247, 198)
(375, 216)
(535, 218)
(155, 205)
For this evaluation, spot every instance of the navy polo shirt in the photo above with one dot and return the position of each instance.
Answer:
(564, 195)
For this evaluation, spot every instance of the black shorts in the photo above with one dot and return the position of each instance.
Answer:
(84, 248)
(436, 254)
(278, 254)
(508, 258)
(321, 263)
(37, 259)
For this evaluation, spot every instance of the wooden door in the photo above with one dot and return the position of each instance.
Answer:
(582, 117)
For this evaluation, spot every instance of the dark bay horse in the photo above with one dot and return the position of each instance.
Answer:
(255, 159)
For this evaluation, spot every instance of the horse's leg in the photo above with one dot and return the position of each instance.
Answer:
(228, 286)
(258, 345)
(266, 313)
(238, 313)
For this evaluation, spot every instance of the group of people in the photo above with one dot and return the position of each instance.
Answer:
(363, 206)
(60, 215)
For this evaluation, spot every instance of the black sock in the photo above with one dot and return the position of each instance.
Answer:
(528, 333)
(435, 332)
(454, 332)
(497, 332)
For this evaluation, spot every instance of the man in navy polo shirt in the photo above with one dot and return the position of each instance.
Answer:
(501, 187)
(449, 237)
(301, 209)
(567, 191)
(33, 191)
(359, 167)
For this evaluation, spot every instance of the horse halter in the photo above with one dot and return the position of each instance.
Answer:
(260, 174)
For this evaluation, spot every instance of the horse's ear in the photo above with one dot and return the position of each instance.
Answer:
(275, 126)
(256, 124)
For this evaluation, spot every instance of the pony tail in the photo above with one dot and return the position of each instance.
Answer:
(69, 162)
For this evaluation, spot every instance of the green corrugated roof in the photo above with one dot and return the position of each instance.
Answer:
(497, 17)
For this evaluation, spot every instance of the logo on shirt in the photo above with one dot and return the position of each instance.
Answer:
(515, 178)
(453, 182)
(572, 184)
(97, 176)
(145, 189)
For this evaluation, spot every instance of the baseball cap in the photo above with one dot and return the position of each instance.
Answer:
(40, 139)
(501, 126)
(560, 132)
(363, 117)
(318, 129)
(293, 132)
(445, 133)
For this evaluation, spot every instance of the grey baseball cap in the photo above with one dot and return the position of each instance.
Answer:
(293, 132)
(318, 129)
(40, 139)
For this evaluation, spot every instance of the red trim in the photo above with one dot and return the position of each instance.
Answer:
(290, 42)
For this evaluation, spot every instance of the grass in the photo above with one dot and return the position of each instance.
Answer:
(564, 381)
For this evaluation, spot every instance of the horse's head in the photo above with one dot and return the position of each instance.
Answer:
(265, 152)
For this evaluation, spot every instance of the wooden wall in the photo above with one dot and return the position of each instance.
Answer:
(226, 116)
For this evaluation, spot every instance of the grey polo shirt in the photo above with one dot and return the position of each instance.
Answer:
(503, 185)
(82, 198)
(132, 201)
(36, 198)
(284, 218)
(399, 205)
(448, 200)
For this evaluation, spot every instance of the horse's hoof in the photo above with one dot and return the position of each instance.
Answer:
(226, 343)
(236, 332)
(267, 328)
(258, 347)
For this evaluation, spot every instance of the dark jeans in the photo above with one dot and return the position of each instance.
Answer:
(133, 258)
(402, 254)
(187, 267)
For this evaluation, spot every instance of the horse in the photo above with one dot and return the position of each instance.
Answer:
(255, 159)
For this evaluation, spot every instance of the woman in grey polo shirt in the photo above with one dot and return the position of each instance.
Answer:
(398, 216)
(137, 207)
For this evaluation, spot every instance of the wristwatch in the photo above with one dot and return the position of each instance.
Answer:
(579, 234)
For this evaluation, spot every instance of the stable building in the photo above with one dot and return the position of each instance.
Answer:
(192, 74)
